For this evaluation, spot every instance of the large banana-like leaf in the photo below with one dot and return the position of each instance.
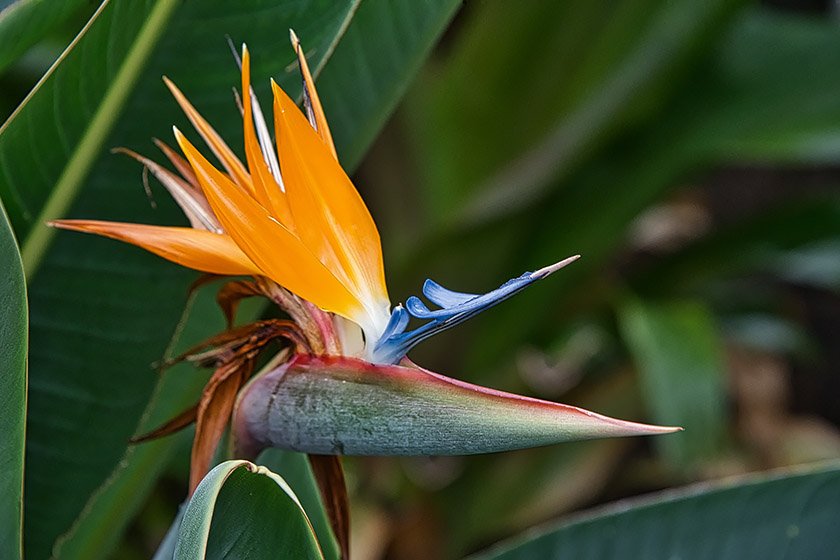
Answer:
(782, 516)
(103, 313)
(13, 341)
(734, 107)
(243, 510)
(24, 22)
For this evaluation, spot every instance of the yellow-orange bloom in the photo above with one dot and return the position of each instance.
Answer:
(294, 217)
(291, 214)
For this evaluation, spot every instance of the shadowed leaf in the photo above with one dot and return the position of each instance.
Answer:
(782, 516)
(13, 346)
(241, 510)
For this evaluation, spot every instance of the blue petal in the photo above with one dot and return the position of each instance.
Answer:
(396, 324)
(442, 297)
(455, 307)
(416, 307)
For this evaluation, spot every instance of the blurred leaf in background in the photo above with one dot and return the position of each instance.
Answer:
(686, 151)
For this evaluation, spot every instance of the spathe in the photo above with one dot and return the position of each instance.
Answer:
(344, 406)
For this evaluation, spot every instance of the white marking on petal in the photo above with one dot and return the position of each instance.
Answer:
(191, 201)
(543, 272)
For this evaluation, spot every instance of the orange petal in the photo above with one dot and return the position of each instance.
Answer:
(312, 95)
(198, 249)
(221, 150)
(277, 252)
(266, 190)
(325, 205)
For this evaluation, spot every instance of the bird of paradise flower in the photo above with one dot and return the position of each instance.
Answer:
(290, 218)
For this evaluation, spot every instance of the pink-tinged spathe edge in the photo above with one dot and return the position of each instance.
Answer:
(409, 372)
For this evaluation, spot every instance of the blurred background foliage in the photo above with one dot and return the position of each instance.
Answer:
(687, 150)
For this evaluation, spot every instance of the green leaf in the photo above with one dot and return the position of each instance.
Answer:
(545, 103)
(781, 516)
(241, 510)
(337, 406)
(727, 102)
(102, 313)
(747, 102)
(295, 470)
(25, 22)
(679, 359)
(13, 346)
(754, 242)
(109, 509)
(373, 66)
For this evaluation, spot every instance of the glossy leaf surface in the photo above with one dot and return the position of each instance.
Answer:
(241, 510)
(791, 516)
(25, 22)
(13, 347)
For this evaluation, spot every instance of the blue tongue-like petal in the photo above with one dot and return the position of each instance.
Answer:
(455, 307)
(442, 297)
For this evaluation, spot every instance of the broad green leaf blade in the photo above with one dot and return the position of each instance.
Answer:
(679, 359)
(25, 22)
(373, 65)
(241, 510)
(748, 101)
(343, 406)
(296, 471)
(514, 114)
(13, 347)
(751, 243)
(786, 516)
(597, 204)
(100, 525)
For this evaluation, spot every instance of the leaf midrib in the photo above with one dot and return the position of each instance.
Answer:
(34, 247)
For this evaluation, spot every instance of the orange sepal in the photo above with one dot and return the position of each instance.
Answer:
(281, 255)
(322, 197)
(266, 190)
(198, 249)
(220, 149)
(314, 100)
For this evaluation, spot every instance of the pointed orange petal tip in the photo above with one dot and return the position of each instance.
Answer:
(342, 406)
(268, 243)
(197, 249)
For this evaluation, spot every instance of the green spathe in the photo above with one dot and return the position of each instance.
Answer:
(344, 406)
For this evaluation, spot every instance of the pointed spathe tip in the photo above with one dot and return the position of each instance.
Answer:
(543, 272)
(293, 38)
(652, 429)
